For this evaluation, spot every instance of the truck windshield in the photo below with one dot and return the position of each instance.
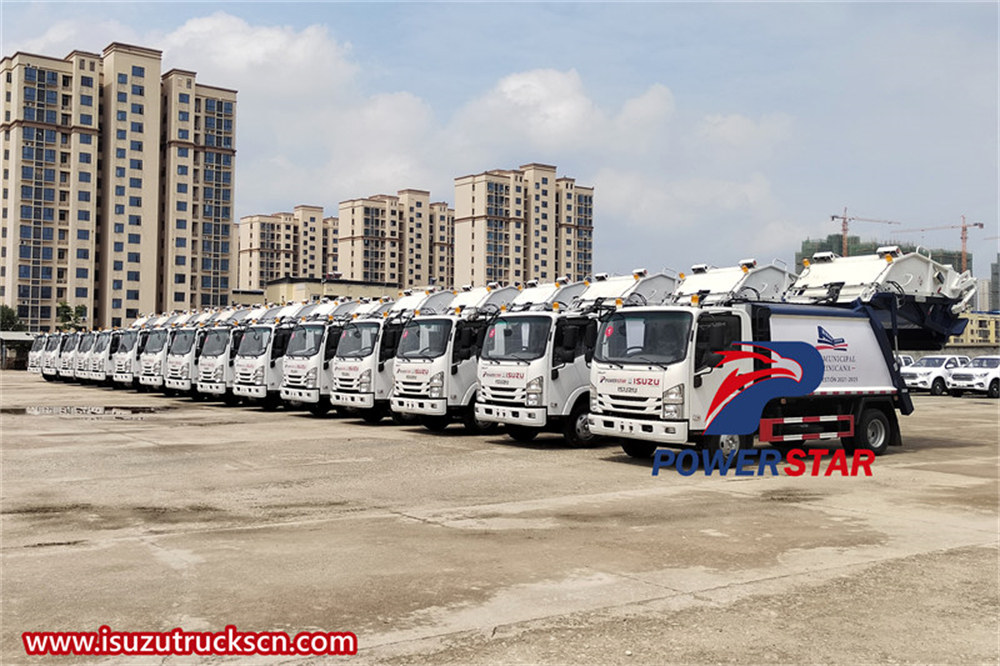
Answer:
(156, 341)
(102, 342)
(38, 344)
(255, 341)
(644, 337)
(216, 342)
(306, 340)
(929, 362)
(358, 340)
(182, 343)
(70, 343)
(87, 342)
(517, 339)
(128, 341)
(53, 343)
(985, 363)
(424, 339)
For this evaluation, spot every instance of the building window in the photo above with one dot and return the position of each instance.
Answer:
(137, 71)
(122, 78)
(138, 90)
(184, 98)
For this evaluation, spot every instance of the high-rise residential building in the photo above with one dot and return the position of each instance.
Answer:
(117, 186)
(401, 239)
(522, 224)
(299, 244)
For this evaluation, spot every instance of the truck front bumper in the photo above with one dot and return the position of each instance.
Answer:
(212, 388)
(123, 377)
(356, 400)
(310, 396)
(179, 384)
(151, 380)
(426, 406)
(49, 371)
(250, 391)
(667, 432)
(534, 417)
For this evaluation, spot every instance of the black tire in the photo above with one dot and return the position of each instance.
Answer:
(955, 393)
(49, 378)
(938, 387)
(994, 390)
(575, 429)
(271, 402)
(231, 399)
(728, 444)
(474, 426)
(373, 415)
(404, 419)
(320, 407)
(169, 392)
(636, 449)
(435, 423)
(521, 434)
(873, 432)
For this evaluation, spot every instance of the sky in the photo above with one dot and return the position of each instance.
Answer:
(711, 132)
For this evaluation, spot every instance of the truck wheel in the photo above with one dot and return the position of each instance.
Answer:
(728, 444)
(576, 429)
(521, 434)
(319, 408)
(473, 425)
(435, 423)
(271, 402)
(994, 391)
(955, 393)
(372, 416)
(938, 387)
(231, 399)
(873, 432)
(643, 450)
(403, 419)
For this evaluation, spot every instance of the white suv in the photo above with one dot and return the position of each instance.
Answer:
(930, 373)
(981, 376)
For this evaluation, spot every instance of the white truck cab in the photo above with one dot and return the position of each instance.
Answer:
(102, 364)
(435, 369)
(218, 353)
(83, 348)
(363, 367)
(184, 352)
(981, 375)
(311, 349)
(130, 348)
(260, 359)
(534, 368)
(153, 359)
(35, 353)
(50, 356)
(67, 354)
(930, 373)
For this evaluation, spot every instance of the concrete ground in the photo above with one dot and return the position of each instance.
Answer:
(456, 549)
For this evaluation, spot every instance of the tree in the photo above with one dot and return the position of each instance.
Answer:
(9, 320)
(71, 317)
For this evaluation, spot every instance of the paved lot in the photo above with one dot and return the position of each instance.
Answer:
(455, 549)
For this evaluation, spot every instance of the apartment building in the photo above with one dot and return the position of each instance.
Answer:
(522, 224)
(300, 244)
(106, 202)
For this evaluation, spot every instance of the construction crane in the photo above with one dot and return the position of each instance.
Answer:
(965, 235)
(845, 220)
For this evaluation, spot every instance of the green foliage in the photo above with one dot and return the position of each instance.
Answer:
(9, 320)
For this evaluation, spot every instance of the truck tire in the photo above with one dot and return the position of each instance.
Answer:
(642, 450)
(320, 407)
(955, 393)
(872, 433)
(271, 401)
(373, 415)
(938, 387)
(576, 430)
(473, 425)
(728, 444)
(230, 398)
(521, 434)
(403, 419)
(435, 423)
(994, 390)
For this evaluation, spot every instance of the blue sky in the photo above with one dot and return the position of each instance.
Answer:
(710, 131)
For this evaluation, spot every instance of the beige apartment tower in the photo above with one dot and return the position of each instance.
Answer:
(522, 224)
(300, 244)
(100, 200)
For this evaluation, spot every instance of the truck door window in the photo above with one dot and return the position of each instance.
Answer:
(332, 340)
(716, 333)
(280, 343)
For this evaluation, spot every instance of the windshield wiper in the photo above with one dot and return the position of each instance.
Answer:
(660, 364)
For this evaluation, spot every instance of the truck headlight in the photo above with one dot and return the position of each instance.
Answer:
(185, 371)
(673, 402)
(310, 378)
(258, 376)
(365, 381)
(533, 391)
(217, 374)
(436, 385)
(594, 406)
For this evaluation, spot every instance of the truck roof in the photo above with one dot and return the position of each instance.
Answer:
(746, 280)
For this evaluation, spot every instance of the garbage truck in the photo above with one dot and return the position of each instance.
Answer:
(130, 348)
(102, 357)
(534, 368)
(816, 364)
(434, 375)
(216, 376)
(307, 374)
(153, 359)
(260, 358)
(50, 357)
(185, 351)
(363, 367)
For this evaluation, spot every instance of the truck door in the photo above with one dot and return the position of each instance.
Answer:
(715, 332)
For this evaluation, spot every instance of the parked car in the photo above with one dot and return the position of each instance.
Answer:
(930, 373)
(982, 375)
(904, 360)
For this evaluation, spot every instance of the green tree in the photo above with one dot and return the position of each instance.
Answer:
(71, 317)
(9, 320)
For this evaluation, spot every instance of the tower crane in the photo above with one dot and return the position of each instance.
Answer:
(965, 234)
(845, 220)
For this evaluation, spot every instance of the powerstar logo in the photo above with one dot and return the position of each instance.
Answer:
(826, 341)
(792, 369)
